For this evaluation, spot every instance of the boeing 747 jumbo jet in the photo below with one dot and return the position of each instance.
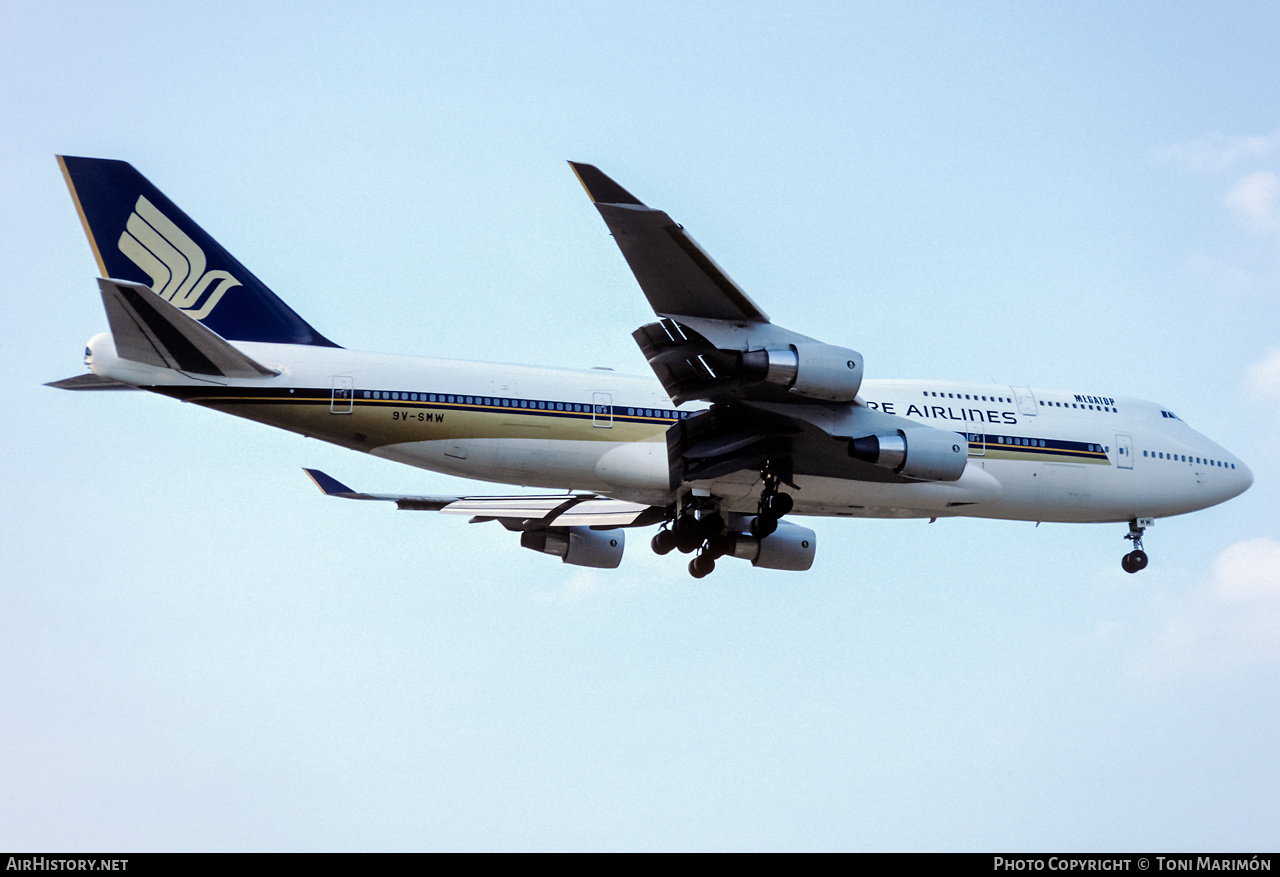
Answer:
(746, 424)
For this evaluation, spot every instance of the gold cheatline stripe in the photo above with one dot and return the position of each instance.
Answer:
(638, 419)
(88, 232)
(1063, 456)
(591, 197)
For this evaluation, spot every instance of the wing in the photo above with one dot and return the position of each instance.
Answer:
(514, 512)
(677, 275)
(781, 402)
(580, 528)
(713, 342)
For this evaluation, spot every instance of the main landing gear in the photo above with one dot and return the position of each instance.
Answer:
(1136, 559)
(701, 528)
(772, 507)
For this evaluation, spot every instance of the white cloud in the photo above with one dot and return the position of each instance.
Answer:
(1215, 153)
(641, 568)
(1246, 170)
(1264, 376)
(1230, 619)
(1255, 202)
(1227, 278)
(1249, 572)
(586, 584)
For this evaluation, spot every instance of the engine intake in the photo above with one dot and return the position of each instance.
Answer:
(924, 453)
(580, 546)
(815, 371)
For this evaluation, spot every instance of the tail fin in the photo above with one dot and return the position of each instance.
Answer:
(139, 235)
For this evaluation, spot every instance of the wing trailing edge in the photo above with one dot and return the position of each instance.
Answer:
(514, 512)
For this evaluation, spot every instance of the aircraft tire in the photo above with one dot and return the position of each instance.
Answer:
(780, 504)
(701, 566)
(663, 542)
(1134, 561)
(763, 525)
(710, 525)
(718, 546)
(687, 538)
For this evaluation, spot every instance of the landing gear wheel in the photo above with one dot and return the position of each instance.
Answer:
(710, 525)
(779, 505)
(686, 525)
(1134, 561)
(663, 542)
(773, 505)
(763, 525)
(687, 538)
(701, 566)
(718, 546)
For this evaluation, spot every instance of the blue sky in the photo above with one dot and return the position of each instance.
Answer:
(198, 651)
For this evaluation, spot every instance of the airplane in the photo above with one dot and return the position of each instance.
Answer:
(747, 425)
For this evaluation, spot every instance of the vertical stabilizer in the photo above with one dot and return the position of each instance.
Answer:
(139, 235)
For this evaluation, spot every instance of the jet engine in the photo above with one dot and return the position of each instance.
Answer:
(923, 452)
(815, 371)
(580, 546)
(790, 547)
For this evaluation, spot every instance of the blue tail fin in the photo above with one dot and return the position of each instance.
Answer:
(139, 235)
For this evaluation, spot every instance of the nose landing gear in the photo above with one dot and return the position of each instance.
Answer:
(1136, 560)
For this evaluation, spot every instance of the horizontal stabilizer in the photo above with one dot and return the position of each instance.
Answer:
(150, 330)
(518, 512)
(89, 382)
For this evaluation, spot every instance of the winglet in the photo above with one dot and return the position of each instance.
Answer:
(329, 485)
(600, 188)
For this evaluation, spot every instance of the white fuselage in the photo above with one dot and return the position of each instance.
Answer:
(1040, 455)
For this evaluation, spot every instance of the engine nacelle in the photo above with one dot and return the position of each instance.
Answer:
(922, 452)
(789, 547)
(580, 546)
(815, 371)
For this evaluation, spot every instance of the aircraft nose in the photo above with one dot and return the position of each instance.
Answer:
(1245, 477)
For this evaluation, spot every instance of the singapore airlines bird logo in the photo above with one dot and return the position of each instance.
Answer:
(175, 262)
